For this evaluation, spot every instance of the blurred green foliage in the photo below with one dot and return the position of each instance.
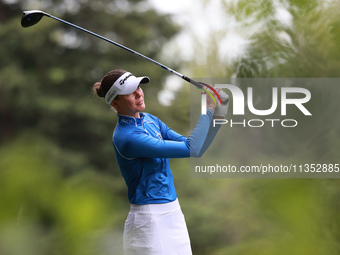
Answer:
(286, 39)
(61, 189)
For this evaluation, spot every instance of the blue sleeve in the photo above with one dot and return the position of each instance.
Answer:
(210, 137)
(202, 137)
(141, 144)
(169, 134)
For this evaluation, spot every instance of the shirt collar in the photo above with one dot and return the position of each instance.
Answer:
(128, 120)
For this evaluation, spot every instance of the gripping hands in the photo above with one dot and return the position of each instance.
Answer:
(222, 110)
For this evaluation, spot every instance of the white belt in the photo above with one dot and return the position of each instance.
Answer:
(166, 207)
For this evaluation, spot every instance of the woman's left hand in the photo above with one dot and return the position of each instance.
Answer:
(210, 102)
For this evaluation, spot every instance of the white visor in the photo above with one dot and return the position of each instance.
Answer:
(124, 85)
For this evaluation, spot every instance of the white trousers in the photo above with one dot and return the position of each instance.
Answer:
(156, 229)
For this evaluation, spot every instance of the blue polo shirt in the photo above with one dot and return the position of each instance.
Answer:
(143, 147)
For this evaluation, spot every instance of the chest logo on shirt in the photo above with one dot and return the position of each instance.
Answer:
(159, 135)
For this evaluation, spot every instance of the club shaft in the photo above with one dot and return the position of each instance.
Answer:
(197, 84)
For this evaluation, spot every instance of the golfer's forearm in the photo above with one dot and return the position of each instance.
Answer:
(201, 137)
(210, 137)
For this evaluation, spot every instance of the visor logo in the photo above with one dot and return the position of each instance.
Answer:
(121, 82)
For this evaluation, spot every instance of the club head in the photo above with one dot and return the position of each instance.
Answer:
(30, 18)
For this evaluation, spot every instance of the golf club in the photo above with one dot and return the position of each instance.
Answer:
(30, 18)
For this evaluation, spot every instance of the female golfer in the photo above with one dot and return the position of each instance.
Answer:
(143, 145)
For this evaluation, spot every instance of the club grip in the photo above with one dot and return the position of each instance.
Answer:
(197, 84)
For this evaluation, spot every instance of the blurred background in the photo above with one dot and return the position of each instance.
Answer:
(61, 191)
